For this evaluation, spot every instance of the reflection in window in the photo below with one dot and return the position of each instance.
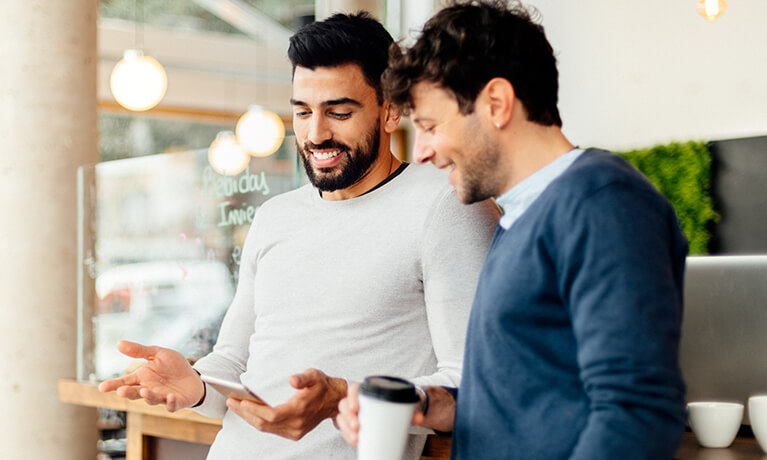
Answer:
(161, 245)
(189, 15)
(127, 136)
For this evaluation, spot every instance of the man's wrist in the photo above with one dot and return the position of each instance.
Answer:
(424, 396)
(339, 387)
(204, 390)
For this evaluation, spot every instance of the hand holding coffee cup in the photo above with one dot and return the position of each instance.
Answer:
(386, 407)
(715, 424)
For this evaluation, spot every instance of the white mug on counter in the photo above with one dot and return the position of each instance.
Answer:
(716, 423)
(757, 413)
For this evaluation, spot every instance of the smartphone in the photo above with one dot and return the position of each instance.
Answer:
(232, 389)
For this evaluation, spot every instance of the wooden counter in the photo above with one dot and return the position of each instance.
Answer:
(744, 448)
(145, 422)
(142, 420)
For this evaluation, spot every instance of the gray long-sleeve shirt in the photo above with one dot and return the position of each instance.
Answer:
(378, 284)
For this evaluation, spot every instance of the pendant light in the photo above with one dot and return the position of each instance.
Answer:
(260, 132)
(226, 156)
(138, 82)
(711, 9)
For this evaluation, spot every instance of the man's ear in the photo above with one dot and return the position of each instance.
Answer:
(391, 117)
(498, 98)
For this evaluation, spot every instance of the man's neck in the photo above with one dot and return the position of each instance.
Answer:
(386, 164)
(531, 151)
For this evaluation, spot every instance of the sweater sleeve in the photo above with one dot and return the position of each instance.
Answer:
(230, 354)
(456, 240)
(623, 263)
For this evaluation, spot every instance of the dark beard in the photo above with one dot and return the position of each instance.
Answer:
(352, 170)
(480, 178)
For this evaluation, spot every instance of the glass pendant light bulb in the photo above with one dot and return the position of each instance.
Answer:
(226, 156)
(138, 82)
(260, 132)
(711, 9)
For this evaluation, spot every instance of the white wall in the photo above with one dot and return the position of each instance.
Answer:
(633, 74)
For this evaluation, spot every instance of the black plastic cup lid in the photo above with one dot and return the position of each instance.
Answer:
(392, 389)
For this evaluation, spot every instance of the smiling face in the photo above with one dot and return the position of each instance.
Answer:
(337, 121)
(452, 140)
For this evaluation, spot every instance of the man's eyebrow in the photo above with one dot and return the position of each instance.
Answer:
(339, 101)
(419, 120)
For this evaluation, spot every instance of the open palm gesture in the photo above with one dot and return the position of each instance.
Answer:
(166, 378)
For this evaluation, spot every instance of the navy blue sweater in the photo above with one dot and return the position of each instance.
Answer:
(572, 349)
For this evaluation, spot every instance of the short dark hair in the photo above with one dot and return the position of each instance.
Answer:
(344, 39)
(469, 43)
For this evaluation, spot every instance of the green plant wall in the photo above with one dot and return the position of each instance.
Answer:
(682, 173)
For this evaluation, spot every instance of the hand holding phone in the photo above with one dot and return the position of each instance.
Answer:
(232, 389)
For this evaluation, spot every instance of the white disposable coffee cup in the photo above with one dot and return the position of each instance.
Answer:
(757, 414)
(715, 423)
(385, 412)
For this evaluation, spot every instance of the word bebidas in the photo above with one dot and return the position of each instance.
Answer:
(216, 185)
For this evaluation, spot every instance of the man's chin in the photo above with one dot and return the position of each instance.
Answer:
(468, 196)
(324, 182)
(466, 199)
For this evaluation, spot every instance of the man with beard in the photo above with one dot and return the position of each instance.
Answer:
(573, 342)
(370, 269)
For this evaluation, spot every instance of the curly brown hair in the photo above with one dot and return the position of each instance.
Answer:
(467, 44)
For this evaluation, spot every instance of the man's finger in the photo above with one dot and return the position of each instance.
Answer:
(151, 397)
(266, 413)
(347, 414)
(113, 384)
(238, 407)
(305, 379)
(136, 350)
(352, 398)
(342, 425)
(130, 392)
(349, 435)
(171, 403)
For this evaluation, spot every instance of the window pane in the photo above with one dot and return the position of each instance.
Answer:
(187, 14)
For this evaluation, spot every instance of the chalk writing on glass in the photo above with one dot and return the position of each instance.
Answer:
(216, 185)
(236, 258)
(236, 255)
(235, 216)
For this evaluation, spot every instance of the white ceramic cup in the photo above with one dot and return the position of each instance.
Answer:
(385, 413)
(757, 413)
(714, 423)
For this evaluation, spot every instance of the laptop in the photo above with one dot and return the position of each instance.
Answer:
(723, 351)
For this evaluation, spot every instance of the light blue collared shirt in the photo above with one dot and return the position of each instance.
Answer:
(517, 199)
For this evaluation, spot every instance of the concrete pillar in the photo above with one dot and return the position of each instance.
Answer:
(325, 8)
(48, 127)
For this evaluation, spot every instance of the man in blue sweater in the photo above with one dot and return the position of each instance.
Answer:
(572, 348)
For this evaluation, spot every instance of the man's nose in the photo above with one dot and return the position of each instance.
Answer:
(319, 130)
(422, 149)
